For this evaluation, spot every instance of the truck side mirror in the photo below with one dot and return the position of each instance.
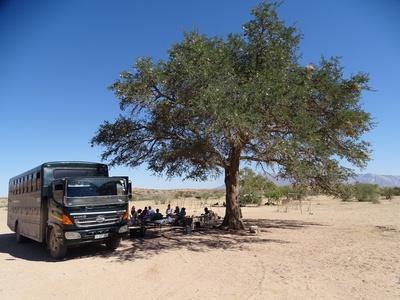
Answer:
(129, 190)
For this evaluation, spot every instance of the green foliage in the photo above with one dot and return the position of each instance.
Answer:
(389, 192)
(396, 191)
(286, 190)
(255, 198)
(250, 182)
(366, 192)
(360, 192)
(346, 192)
(270, 185)
(212, 194)
(302, 192)
(273, 195)
(251, 186)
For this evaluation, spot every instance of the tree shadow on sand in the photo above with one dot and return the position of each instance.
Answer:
(157, 241)
(34, 251)
(279, 224)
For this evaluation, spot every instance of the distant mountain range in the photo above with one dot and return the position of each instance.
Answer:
(381, 180)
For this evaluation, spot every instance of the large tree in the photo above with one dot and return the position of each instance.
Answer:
(217, 102)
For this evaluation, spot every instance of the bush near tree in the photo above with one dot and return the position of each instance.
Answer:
(389, 192)
(251, 186)
(346, 192)
(361, 192)
(366, 192)
(273, 195)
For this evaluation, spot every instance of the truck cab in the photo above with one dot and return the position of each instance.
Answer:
(85, 210)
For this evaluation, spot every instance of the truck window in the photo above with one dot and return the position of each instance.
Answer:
(58, 192)
(61, 173)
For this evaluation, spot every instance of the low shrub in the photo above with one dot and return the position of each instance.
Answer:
(367, 192)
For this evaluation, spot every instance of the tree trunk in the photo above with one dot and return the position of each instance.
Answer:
(232, 219)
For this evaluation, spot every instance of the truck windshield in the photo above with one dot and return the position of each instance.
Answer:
(95, 191)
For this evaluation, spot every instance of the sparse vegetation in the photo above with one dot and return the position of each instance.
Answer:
(252, 186)
(178, 197)
(273, 196)
(390, 192)
(346, 192)
(160, 199)
(3, 202)
(366, 192)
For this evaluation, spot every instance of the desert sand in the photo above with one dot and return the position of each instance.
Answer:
(327, 250)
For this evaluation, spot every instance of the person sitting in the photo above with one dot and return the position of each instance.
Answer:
(177, 211)
(157, 215)
(139, 215)
(143, 215)
(144, 211)
(180, 216)
(150, 213)
(209, 218)
(213, 219)
(134, 215)
(183, 212)
(169, 212)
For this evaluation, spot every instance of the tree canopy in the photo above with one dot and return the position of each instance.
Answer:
(216, 102)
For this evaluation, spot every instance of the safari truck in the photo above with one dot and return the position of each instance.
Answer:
(67, 204)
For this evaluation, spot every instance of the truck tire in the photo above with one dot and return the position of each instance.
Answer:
(57, 250)
(20, 238)
(113, 243)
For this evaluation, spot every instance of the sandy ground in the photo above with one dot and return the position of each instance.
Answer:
(337, 250)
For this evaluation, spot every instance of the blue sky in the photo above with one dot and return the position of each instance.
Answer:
(57, 59)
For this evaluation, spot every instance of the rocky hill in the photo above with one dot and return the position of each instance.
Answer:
(381, 180)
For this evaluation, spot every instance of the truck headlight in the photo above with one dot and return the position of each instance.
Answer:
(72, 235)
(123, 229)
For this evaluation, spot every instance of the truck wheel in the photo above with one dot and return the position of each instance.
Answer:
(113, 243)
(20, 238)
(57, 250)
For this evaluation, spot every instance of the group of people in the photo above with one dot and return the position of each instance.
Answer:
(175, 216)
(148, 214)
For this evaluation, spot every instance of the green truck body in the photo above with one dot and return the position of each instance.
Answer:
(67, 204)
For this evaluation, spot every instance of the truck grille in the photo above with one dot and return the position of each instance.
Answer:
(94, 219)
